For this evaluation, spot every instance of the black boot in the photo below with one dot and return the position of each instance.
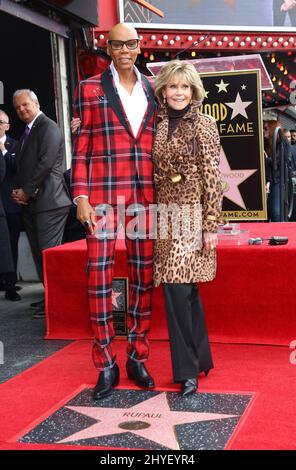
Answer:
(189, 387)
(108, 379)
(137, 372)
(11, 294)
(38, 305)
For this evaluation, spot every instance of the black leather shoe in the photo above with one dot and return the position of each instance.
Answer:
(108, 379)
(11, 294)
(39, 313)
(38, 305)
(137, 372)
(189, 387)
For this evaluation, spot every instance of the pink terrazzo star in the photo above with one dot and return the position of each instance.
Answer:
(151, 419)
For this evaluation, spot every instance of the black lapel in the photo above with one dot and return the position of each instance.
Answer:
(10, 143)
(20, 147)
(113, 98)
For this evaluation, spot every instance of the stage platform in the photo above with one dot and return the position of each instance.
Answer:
(252, 299)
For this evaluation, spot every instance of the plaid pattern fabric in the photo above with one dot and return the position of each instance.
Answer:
(100, 274)
(107, 157)
(108, 162)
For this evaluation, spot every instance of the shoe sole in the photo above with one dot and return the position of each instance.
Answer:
(104, 395)
(188, 394)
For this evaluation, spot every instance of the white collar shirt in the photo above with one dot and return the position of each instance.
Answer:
(32, 122)
(3, 140)
(134, 104)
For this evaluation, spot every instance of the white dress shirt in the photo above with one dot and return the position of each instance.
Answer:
(32, 122)
(3, 140)
(134, 104)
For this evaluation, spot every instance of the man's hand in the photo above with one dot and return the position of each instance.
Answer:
(210, 240)
(20, 197)
(85, 213)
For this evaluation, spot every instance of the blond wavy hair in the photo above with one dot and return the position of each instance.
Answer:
(179, 69)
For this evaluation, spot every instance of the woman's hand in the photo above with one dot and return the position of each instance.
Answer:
(288, 5)
(75, 123)
(210, 240)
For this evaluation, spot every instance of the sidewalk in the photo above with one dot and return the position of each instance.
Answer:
(22, 335)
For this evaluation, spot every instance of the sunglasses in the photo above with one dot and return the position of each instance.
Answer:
(116, 45)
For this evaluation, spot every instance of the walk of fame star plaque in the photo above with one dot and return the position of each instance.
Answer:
(150, 420)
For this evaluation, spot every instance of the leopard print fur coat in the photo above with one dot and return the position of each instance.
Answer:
(188, 182)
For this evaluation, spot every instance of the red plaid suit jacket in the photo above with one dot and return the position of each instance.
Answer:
(107, 157)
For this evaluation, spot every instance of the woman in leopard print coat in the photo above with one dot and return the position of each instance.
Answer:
(189, 196)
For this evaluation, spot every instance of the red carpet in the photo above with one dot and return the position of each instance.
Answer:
(264, 370)
(252, 300)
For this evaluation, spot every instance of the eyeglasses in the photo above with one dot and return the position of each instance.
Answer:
(3, 122)
(117, 45)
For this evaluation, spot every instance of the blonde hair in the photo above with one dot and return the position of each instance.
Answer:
(179, 68)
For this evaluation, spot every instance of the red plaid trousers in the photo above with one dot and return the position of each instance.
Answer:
(100, 275)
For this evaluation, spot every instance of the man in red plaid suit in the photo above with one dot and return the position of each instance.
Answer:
(112, 160)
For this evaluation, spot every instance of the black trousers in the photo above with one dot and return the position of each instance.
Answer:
(6, 260)
(44, 230)
(15, 226)
(189, 342)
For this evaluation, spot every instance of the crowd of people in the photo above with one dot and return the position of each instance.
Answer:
(35, 197)
(274, 190)
(133, 147)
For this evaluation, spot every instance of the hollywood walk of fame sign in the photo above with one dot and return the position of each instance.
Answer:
(138, 419)
(119, 305)
(234, 99)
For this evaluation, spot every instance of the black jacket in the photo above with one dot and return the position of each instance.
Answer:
(6, 260)
(2, 176)
(8, 184)
(40, 167)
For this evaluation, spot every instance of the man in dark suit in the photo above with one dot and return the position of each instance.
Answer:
(41, 190)
(6, 261)
(12, 210)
